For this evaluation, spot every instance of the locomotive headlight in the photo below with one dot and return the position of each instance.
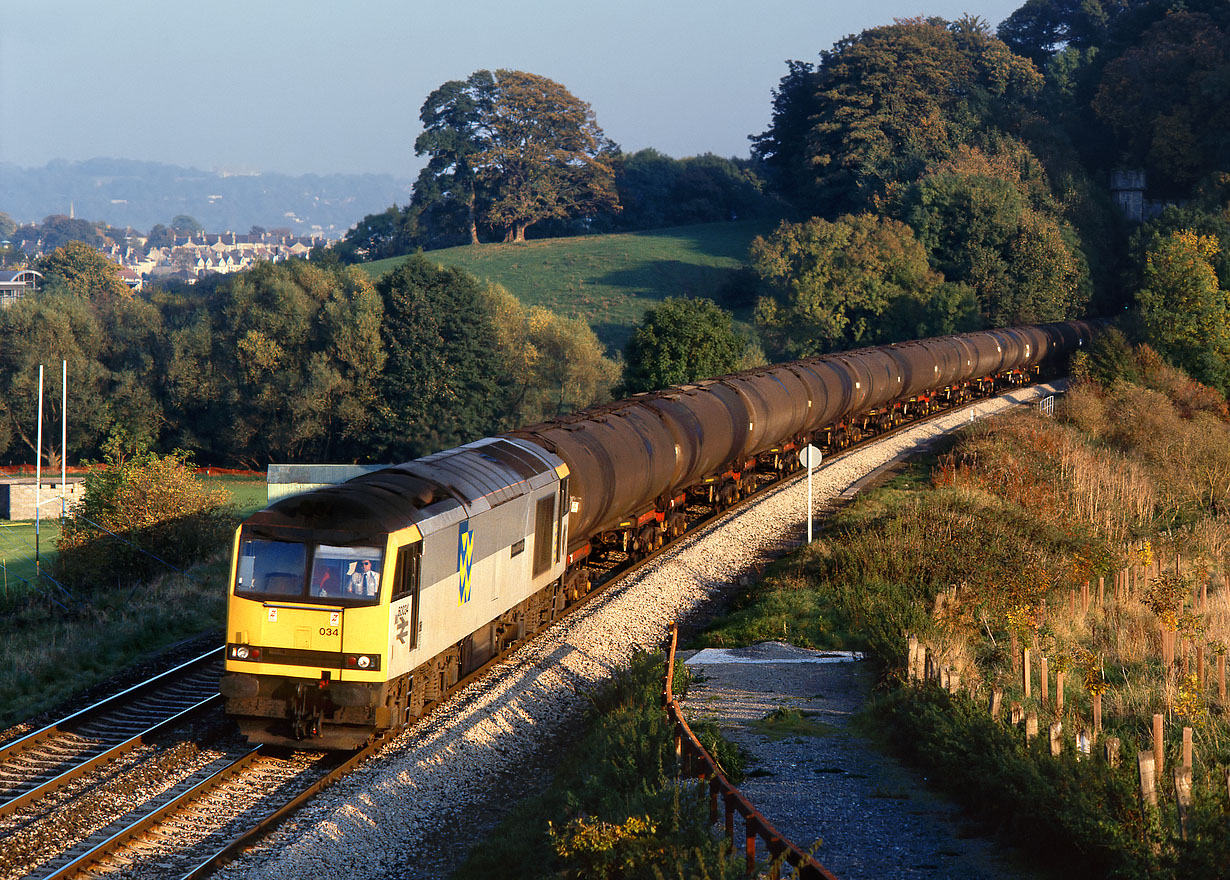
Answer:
(364, 661)
(241, 653)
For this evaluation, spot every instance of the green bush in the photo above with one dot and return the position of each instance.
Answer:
(142, 515)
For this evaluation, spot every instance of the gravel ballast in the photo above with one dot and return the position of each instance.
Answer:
(435, 791)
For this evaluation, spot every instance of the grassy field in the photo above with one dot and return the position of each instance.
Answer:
(17, 544)
(609, 280)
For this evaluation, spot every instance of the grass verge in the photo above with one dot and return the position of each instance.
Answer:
(992, 554)
(614, 807)
(52, 653)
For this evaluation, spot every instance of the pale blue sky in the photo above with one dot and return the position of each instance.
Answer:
(320, 87)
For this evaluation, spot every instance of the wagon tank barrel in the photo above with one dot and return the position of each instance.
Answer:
(628, 455)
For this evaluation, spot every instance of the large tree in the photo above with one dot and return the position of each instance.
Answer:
(454, 117)
(884, 104)
(990, 222)
(511, 149)
(552, 365)
(78, 269)
(442, 384)
(1184, 312)
(681, 340)
(302, 355)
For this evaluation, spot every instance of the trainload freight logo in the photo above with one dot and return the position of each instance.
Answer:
(465, 558)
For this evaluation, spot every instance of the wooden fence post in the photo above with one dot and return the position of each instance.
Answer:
(1200, 666)
(1101, 591)
(1025, 674)
(1111, 750)
(1015, 713)
(1044, 677)
(1097, 714)
(1031, 726)
(749, 845)
(997, 700)
(1059, 677)
(1056, 738)
(911, 657)
(1085, 597)
(1148, 789)
(1187, 748)
(1183, 795)
(1159, 756)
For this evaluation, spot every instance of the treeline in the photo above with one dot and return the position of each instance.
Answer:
(944, 177)
(934, 176)
(291, 361)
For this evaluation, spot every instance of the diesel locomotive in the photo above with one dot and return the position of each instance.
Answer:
(353, 608)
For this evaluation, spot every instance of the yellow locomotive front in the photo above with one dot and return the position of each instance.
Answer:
(307, 652)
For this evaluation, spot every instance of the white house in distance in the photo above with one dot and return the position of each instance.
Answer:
(16, 283)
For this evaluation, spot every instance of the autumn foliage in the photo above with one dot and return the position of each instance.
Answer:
(142, 515)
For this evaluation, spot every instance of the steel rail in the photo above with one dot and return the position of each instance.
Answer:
(41, 791)
(101, 850)
(111, 702)
(228, 851)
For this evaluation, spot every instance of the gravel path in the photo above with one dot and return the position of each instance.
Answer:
(416, 809)
(822, 781)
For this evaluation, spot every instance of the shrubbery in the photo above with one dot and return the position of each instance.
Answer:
(1017, 522)
(142, 515)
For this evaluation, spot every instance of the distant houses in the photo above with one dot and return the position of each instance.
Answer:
(190, 257)
(187, 258)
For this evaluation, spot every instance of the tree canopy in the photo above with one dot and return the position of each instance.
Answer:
(1184, 312)
(860, 280)
(511, 149)
(989, 222)
(884, 104)
(682, 340)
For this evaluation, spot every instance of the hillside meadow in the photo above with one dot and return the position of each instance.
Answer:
(609, 280)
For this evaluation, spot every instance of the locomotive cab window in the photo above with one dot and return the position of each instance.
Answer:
(269, 569)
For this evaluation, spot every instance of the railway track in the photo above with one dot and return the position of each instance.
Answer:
(46, 760)
(90, 795)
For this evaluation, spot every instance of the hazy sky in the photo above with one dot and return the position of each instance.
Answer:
(320, 87)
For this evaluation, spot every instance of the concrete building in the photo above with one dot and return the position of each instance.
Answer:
(18, 495)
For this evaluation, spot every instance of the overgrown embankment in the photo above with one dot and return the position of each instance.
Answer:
(1001, 546)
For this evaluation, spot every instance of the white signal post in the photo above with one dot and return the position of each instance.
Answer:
(809, 457)
(38, 467)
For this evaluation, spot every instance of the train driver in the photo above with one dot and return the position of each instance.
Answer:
(364, 581)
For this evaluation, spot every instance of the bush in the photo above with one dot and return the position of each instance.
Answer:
(140, 516)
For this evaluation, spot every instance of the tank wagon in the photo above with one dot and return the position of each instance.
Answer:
(352, 608)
